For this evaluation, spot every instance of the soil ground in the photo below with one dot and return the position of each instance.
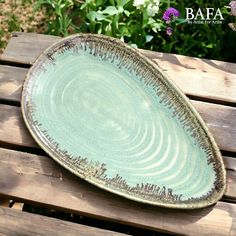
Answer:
(19, 15)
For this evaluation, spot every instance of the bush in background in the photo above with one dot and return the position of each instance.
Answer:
(140, 24)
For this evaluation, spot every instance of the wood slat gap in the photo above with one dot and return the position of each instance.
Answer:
(211, 100)
(160, 231)
(230, 163)
(228, 153)
(10, 102)
(229, 200)
(15, 64)
(102, 224)
(15, 222)
(41, 181)
(24, 149)
(4, 202)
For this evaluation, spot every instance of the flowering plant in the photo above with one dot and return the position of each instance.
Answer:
(232, 5)
(170, 15)
(145, 24)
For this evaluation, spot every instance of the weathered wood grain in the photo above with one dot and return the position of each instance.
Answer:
(39, 180)
(230, 163)
(220, 119)
(206, 79)
(217, 117)
(209, 79)
(14, 222)
(11, 80)
(231, 185)
(12, 127)
(24, 48)
(18, 206)
(14, 131)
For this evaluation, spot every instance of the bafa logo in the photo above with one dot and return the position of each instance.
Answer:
(204, 16)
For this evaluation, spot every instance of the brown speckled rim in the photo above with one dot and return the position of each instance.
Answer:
(212, 199)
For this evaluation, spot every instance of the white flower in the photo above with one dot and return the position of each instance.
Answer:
(152, 10)
(156, 2)
(153, 7)
(138, 3)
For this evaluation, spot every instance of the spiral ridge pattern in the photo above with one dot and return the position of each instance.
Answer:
(90, 106)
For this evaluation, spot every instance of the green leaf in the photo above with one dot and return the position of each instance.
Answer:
(151, 21)
(112, 2)
(145, 17)
(93, 16)
(110, 10)
(124, 31)
(180, 21)
(210, 45)
(62, 5)
(121, 2)
(99, 2)
(149, 38)
(83, 6)
(156, 27)
(127, 13)
(120, 9)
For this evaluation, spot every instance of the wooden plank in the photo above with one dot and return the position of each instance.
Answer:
(38, 179)
(18, 206)
(231, 186)
(15, 222)
(220, 119)
(12, 127)
(25, 48)
(209, 79)
(11, 80)
(230, 163)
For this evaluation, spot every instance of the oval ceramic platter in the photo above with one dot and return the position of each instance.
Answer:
(110, 116)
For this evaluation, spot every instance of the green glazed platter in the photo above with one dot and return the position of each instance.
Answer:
(110, 116)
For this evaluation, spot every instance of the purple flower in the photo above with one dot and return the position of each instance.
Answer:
(169, 31)
(233, 7)
(169, 14)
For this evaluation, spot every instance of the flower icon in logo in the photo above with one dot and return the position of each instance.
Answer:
(170, 15)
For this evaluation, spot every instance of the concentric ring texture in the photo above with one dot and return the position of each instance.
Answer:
(92, 108)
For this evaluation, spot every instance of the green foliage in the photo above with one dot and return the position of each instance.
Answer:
(205, 40)
(13, 23)
(2, 43)
(137, 27)
(60, 10)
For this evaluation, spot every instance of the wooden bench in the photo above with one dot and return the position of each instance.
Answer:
(29, 176)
